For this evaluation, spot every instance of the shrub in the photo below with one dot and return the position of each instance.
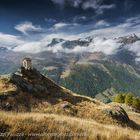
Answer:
(136, 103)
(129, 99)
(119, 98)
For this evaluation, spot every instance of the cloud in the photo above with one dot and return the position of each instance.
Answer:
(94, 5)
(9, 41)
(26, 27)
(30, 47)
(101, 23)
(101, 9)
(129, 26)
(79, 18)
(97, 5)
(107, 46)
(60, 25)
(135, 47)
(41, 44)
(133, 21)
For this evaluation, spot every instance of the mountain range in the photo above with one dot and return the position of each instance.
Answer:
(92, 66)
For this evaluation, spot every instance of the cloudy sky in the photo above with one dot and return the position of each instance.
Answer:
(31, 24)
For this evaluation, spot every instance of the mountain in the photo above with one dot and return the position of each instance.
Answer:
(128, 39)
(101, 79)
(87, 66)
(55, 41)
(96, 74)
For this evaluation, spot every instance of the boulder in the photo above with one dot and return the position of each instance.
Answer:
(117, 113)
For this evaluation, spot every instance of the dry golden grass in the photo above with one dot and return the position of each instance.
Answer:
(5, 86)
(52, 126)
(134, 116)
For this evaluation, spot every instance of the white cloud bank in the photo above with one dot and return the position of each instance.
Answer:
(135, 47)
(9, 41)
(99, 44)
(30, 47)
(107, 46)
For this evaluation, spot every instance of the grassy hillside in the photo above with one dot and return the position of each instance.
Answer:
(49, 126)
(35, 107)
(94, 79)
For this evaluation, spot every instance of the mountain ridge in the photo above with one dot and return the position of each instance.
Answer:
(57, 65)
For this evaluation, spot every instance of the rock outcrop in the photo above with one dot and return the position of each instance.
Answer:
(116, 113)
(32, 81)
